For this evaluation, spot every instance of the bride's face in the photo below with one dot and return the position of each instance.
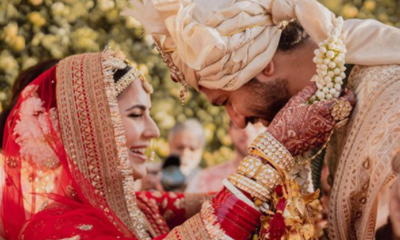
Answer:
(134, 105)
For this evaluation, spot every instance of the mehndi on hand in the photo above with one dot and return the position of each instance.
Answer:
(301, 127)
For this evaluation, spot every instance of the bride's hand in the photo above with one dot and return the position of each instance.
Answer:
(301, 127)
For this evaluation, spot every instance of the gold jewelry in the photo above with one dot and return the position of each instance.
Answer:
(127, 80)
(252, 167)
(268, 160)
(282, 25)
(253, 188)
(274, 150)
(118, 62)
(152, 156)
(245, 28)
(150, 151)
(341, 110)
(338, 125)
(176, 74)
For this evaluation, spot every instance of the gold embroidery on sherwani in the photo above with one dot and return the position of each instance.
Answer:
(82, 93)
(364, 150)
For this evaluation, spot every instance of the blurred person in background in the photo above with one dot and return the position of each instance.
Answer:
(210, 179)
(187, 140)
(172, 178)
(22, 80)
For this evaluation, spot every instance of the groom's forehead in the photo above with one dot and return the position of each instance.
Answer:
(214, 96)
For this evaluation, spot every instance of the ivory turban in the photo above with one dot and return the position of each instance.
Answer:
(223, 44)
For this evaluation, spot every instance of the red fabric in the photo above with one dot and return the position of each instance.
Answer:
(28, 186)
(237, 218)
(164, 211)
(18, 204)
(63, 219)
(277, 226)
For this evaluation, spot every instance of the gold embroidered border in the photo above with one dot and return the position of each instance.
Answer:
(94, 140)
(191, 229)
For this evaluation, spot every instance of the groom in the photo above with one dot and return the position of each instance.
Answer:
(252, 56)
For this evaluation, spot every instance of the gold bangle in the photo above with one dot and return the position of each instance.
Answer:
(254, 168)
(274, 150)
(257, 152)
(251, 187)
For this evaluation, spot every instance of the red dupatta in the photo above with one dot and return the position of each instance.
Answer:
(64, 148)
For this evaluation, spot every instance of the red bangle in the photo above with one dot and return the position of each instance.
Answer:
(224, 213)
(237, 219)
(234, 231)
(230, 201)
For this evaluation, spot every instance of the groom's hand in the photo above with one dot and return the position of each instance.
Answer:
(301, 127)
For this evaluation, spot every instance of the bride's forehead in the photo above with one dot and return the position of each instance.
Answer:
(136, 93)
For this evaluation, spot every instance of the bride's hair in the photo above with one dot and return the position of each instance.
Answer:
(120, 73)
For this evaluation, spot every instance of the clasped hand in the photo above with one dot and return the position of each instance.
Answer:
(300, 126)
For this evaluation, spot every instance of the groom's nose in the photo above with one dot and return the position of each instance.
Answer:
(238, 119)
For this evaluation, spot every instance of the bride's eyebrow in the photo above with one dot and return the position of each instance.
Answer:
(141, 107)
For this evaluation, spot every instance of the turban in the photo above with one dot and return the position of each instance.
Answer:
(223, 44)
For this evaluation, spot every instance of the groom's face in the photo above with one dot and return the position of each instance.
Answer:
(256, 101)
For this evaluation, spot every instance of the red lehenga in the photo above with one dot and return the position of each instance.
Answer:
(67, 175)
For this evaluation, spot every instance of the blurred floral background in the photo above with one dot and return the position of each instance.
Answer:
(35, 30)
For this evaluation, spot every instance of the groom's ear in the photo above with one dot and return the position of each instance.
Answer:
(270, 69)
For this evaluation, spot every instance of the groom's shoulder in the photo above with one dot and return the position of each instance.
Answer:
(379, 74)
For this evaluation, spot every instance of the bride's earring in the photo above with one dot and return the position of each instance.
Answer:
(152, 155)
(151, 151)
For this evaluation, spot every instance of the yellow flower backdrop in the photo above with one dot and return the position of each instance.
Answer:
(35, 30)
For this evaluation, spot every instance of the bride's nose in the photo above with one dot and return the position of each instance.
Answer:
(151, 130)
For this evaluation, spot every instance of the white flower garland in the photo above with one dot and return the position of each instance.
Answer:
(330, 60)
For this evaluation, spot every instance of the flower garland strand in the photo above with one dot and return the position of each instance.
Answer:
(330, 60)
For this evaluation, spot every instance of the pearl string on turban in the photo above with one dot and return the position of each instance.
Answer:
(223, 44)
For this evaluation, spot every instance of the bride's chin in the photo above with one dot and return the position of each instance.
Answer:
(138, 169)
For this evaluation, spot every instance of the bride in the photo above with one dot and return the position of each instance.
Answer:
(75, 142)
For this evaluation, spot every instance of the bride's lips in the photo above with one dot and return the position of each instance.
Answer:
(138, 153)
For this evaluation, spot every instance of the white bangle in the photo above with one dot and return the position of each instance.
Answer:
(238, 194)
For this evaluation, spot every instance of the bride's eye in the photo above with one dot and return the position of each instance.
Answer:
(136, 114)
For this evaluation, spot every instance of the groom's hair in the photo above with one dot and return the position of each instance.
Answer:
(292, 36)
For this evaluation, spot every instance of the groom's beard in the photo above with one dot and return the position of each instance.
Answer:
(267, 99)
